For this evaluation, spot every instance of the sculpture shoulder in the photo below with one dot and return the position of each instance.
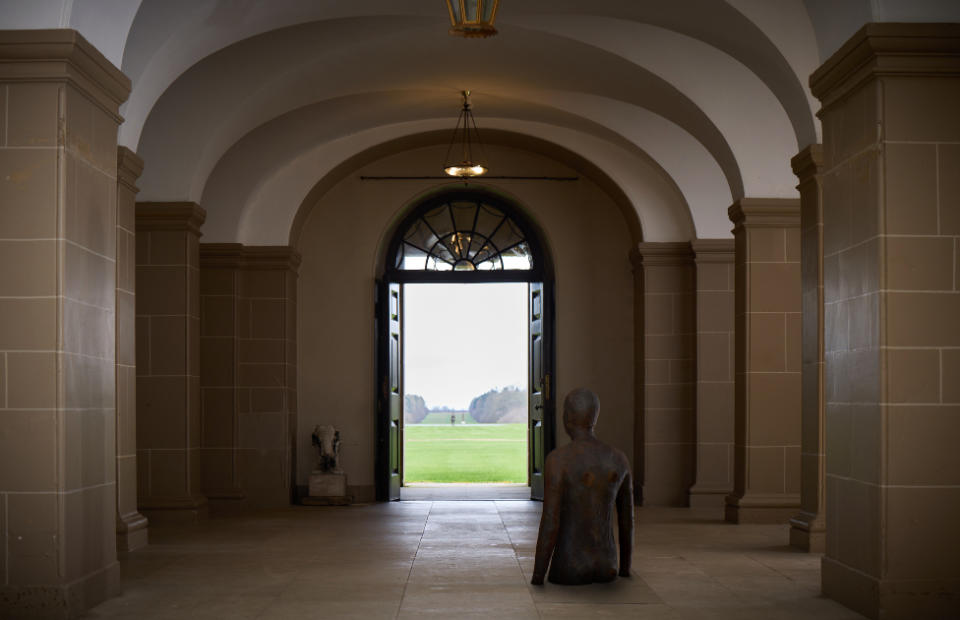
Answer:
(618, 456)
(557, 454)
(560, 458)
(622, 458)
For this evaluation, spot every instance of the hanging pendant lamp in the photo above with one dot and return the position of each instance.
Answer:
(465, 136)
(472, 18)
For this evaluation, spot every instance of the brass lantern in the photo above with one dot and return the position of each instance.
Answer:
(472, 18)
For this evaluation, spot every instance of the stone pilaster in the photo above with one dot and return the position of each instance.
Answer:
(668, 385)
(220, 265)
(267, 341)
(714, 372)
(58, 192)
(639, 377)
(248, 373)
(891, 243)
(168, 356)
(808, 527)
(131, 525)
(767, 353)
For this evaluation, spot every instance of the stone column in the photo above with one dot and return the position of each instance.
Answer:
(714, 389)
(767, 382)
(58, 188)
(668, 388)
(267, 378)
(168, 351)
(131, 525)
(639, 377)
(891, 238)
(808, 527)
(248, 374)
(220, 265)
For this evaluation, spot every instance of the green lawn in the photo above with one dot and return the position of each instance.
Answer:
(465, 453)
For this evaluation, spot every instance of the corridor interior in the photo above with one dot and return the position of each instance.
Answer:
(748, 221)
(458, 559)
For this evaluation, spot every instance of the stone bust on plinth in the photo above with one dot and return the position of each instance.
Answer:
(328, 483)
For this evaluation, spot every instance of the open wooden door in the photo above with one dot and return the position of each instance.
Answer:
(464, 236)
(389, 392)
(541, 417)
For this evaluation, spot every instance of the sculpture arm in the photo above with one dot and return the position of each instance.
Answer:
(625, 523)
(549, 521)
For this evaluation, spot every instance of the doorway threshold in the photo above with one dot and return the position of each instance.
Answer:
(452, 491)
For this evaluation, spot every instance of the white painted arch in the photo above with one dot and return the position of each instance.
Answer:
(272, 205)
(698, 86)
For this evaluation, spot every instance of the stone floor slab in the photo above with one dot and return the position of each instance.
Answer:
(449, 559)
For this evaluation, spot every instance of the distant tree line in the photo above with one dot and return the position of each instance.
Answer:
(500, 406)
(414, 408)
(504, 406)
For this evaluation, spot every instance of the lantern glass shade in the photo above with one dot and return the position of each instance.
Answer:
(466, 169)
(472, 18)
(462, 160)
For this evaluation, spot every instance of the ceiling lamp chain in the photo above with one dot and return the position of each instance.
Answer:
(468, 134)
(472, 18)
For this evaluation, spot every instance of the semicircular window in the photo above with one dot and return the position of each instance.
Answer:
(464, 236)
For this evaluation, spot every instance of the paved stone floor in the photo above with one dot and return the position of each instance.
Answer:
(440, 492)
(457, 560)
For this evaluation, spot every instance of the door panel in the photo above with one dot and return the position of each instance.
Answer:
(395, 397)
(390, 392)
(389, 324)
(538, 396)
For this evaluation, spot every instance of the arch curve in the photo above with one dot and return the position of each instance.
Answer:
(475, 242)
(491, 137)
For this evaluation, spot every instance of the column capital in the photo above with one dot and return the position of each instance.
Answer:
(271, 257)
(662, 253)
(129, 168)
(62, 55)
(239, 256)
(879, 49)
(807, 163)
(221, 255)
(187, 216)
(765, 213)
(713, 250)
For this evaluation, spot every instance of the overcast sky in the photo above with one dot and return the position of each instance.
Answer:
(461, 340)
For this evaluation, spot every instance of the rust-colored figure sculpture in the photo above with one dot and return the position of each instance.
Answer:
(582, 481)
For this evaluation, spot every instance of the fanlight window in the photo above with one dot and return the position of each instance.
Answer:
(464, 236)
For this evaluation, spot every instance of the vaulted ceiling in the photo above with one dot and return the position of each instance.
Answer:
(244, 105)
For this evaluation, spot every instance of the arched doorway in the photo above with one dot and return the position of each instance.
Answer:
(463, 236)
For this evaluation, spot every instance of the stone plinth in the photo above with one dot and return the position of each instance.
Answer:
(327, 489)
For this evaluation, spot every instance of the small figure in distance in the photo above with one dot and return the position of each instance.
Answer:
(582, 482)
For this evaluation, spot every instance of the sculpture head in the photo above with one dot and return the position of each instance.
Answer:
(580, 410)
(327, 441)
